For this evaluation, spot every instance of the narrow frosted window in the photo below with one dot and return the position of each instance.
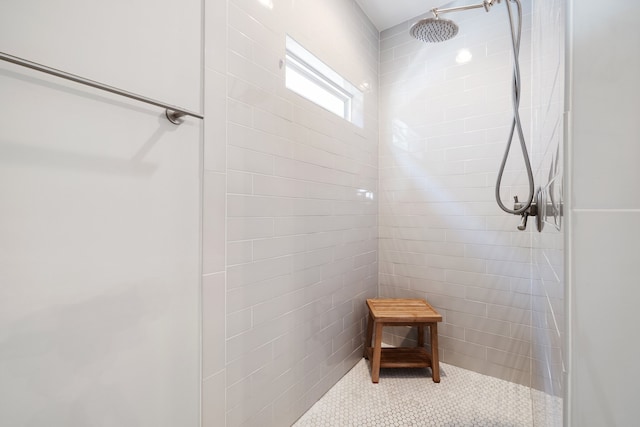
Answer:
(309, 77)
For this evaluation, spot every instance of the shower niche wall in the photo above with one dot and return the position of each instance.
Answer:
(445, 115)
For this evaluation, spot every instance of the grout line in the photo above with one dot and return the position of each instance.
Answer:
(582, 210)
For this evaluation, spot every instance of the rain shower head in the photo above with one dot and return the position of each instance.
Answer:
(433, 30)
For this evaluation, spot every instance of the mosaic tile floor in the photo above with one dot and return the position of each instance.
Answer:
(408, 397)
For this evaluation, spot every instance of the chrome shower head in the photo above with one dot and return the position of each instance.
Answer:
(433, 30)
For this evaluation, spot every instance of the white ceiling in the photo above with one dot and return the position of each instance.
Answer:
(387, 13)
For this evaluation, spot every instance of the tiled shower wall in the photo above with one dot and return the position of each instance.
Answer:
(286, 183)
(548, 284)
(443, 127)
(299, 185)
(443, 130)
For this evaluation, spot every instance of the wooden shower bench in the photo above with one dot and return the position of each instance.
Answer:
(402, 312)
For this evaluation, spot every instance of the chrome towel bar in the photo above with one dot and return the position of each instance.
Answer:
(172, 112)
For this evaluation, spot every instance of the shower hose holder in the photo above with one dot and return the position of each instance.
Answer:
(539, 208)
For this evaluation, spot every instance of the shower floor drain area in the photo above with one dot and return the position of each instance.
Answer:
(408, 397)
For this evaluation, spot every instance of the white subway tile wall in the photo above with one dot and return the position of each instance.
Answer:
(320, 214)
(444, 127)
(300, 207)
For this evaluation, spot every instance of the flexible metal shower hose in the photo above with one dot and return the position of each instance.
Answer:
(516, 34)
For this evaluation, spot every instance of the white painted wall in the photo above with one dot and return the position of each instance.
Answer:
(143, 46)
(605, 214)
(99, 219)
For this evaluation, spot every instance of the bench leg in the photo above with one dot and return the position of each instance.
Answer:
(435, 360)
(377, 353)
(420, 335)
(367, 341)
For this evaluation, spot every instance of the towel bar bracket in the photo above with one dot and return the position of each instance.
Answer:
(174, 117)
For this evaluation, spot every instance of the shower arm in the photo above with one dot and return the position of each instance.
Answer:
(486, 4)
